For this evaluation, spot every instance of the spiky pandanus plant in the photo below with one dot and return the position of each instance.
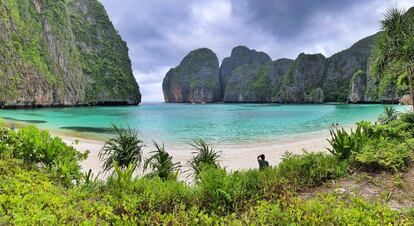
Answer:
(124, 149)
(389, 114)
(161, 163)
(204, 156)
(394, 49)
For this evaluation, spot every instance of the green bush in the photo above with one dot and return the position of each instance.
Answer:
(385, 154)
(135, 196)
(396, 129)
(408, 117)
(310, 169)
(223, 192)
(29, 197)
(38, 148)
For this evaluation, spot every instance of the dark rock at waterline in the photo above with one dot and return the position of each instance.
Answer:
(25, 121)
(85, 129)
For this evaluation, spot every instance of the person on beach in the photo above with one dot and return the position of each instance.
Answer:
(262, 162)
(13, 128)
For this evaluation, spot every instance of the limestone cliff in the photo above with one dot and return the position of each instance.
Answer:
(304, 78)
(194, 80)
(244, 76)
(62, 53)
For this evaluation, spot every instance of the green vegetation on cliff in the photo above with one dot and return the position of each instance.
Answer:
(195, 79)
(62, 53)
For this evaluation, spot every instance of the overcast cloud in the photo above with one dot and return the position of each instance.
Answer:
(160, 33)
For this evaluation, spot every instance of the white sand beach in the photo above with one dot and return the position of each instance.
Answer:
(233, 156)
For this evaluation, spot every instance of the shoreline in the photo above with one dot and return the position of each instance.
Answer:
(233, 156)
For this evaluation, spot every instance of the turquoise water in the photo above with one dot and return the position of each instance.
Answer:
(217, 123)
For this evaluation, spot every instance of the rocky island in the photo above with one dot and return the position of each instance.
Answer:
(62, 53)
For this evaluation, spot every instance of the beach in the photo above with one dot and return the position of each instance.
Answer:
(239, 156)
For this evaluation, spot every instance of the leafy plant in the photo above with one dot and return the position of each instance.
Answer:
(385, 154)
(344, 144)
(161, 163)
(396, 129)
(125, 149)
(204, 156)
(390, 114)
(37, 147)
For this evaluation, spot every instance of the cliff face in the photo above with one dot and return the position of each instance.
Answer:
(316, 79)
(244, 76)
(62, 53)
(303, 80)
(195, 80)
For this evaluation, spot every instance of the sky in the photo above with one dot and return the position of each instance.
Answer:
(159, 33)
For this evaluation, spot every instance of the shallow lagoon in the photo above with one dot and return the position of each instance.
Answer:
(217, 123)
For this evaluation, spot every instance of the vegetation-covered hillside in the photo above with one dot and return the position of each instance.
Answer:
(56, 53)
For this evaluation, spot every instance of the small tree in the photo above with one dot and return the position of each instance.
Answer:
(394, 49)
(124, 149)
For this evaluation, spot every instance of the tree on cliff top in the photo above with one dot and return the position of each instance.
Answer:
(394, 49)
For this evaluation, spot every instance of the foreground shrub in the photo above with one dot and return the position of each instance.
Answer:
(29, 197)
(310, 169)
(383, 154)
(396, 129)
(343, 144)
(224, 192)
(38, 148)
(135, 196)
(125, 149)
